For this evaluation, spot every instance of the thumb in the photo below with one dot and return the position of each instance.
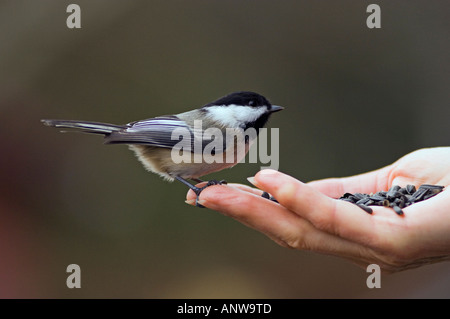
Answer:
(290, 192)
(333, 216)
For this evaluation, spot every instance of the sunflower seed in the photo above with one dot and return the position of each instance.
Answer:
(366, 208)
(396, 197)
(398, 210)
(410, 189)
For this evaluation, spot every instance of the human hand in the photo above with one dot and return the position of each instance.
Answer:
(308, 217)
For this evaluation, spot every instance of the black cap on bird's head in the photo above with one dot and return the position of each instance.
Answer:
(241, 98)
(245, 98)
(248, 108)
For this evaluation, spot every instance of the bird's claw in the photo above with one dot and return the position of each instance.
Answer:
(198, 190)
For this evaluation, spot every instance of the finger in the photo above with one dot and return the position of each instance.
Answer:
(339, 218)
(250, 209)
(192, 196)
(367, 183)
(431, 233)
(278, 223)
(248, 189)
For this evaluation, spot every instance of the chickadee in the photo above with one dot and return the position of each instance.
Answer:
(153, 140)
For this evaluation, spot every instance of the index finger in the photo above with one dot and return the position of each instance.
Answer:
(340, 218)
(370, 182)
(282, 225)
(252, 210)
(191, 195)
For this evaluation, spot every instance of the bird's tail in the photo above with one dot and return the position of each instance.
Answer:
(84, 126)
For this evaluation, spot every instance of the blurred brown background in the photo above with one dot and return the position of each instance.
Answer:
(356, 99)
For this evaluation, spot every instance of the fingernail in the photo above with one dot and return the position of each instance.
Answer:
(190, 201)
(267, 172)
(251, 180)
(201, 202)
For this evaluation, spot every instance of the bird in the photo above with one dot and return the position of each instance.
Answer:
(156, 141)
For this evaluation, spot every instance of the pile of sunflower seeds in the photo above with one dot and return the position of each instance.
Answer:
(396, 197)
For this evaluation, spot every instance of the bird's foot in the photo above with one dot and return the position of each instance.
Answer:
(198, 190)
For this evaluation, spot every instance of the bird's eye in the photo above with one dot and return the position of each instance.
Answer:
(251, 103)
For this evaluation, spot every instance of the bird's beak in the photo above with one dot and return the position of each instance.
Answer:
(276, 108)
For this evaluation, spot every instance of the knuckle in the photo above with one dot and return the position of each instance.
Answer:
(286, 194)
(295, 241)
(394, 255)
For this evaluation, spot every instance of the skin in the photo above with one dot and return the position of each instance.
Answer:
(308, 217)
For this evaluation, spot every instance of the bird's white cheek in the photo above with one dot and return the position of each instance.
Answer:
(235, 115)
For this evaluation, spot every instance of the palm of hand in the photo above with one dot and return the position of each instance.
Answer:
(309, 218)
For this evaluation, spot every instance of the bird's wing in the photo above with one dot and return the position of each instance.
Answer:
(164, 131)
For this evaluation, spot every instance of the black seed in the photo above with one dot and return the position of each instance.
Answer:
(265, 195)
(395, 194)
(377, 198)
(418, 196)
(400, 202)
(362, 201)
(346, 195)
(428, 186)
(360, 196)
(429, 196)
(396, 197)
(381, 193)
(369, 202)
(398, 210)
(411, 189)
(432, 189)
(365, 208)
(392, 190)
